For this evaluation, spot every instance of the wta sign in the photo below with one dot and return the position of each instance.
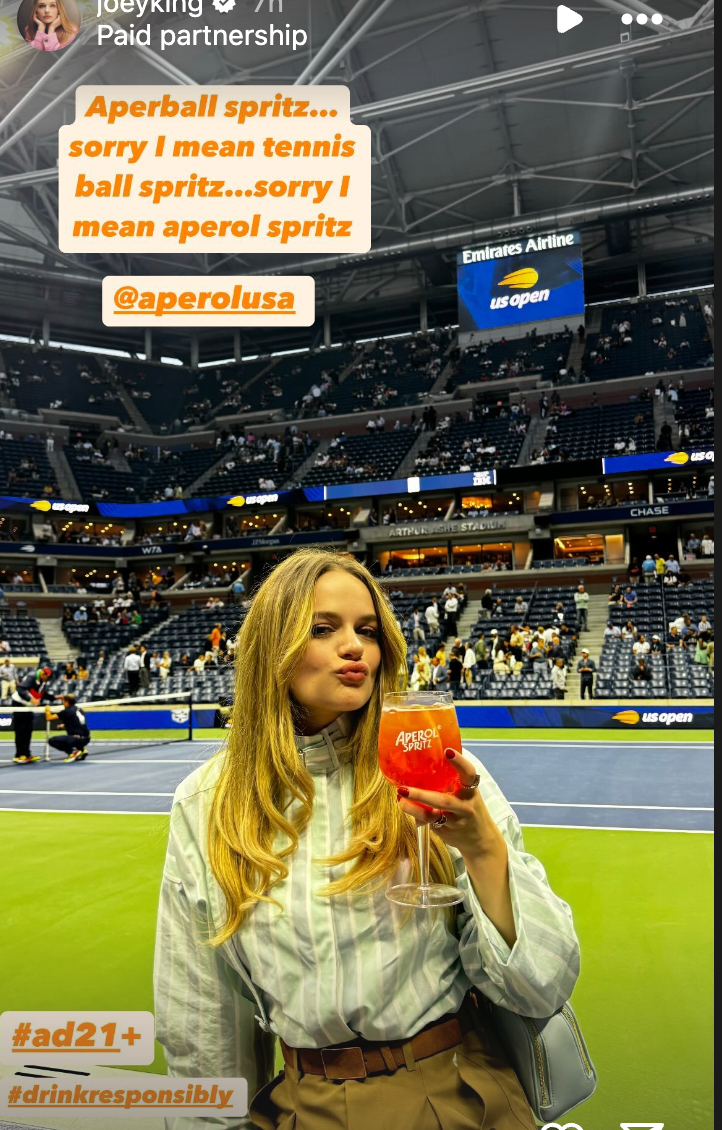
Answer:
(532, 279)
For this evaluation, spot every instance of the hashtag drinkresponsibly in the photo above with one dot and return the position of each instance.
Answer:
(194, 1095)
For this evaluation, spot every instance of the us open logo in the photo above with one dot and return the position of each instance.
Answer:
(180, 716)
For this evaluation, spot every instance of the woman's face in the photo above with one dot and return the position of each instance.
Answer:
(342, 659)
(46, 11)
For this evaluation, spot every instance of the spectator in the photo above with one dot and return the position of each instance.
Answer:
(8, 678)
(672, 565)
(587, 669)
(439, 674)
(423, 664)
(641, 645)
(469, 663)
(701, 653)
(144, 667)
(611, 630)
(520, 608)
(659, 567)
(481, 652)
(694, 545)
(629, 632)
(707, 546)
(432, 616)
(451, 608)
(704, 628)
(649, 569)
(417, 628)
(656, 647)
(559, 678)
(164, 665)
(634, 572)
(616, 596)
(456, 671)
(487, 604)
(199, 663)
(215, 638)
(131, 666)
(674, 639)
(640, 672)
(581, 600)
(630, 597)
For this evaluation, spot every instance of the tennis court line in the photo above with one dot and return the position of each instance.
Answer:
(513, 803)
(563, 827)
(630, 807)
(69, 792)
(101, 760)
(591, 743)
(87, 811)
(599, 828)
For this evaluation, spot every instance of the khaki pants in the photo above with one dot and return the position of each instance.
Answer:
(7, 687)
(468, 1087)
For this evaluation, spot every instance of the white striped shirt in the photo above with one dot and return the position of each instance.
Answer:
(326, 971)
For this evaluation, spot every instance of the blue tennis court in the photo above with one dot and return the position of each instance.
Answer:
(569, 784)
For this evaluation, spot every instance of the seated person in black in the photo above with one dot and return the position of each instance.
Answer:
(641, 672)
(77, 734)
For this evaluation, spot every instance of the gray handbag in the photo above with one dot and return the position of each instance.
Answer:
(549, 1057)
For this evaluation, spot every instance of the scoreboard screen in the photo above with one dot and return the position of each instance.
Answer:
(526, 280)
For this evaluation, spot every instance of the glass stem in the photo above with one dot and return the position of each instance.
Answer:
(424, 837)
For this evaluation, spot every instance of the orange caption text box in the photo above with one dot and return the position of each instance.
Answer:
(252, 170)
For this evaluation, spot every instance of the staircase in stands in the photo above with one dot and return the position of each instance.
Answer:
(69, 488)
(598, 617)
(58, 648)
(465, 623)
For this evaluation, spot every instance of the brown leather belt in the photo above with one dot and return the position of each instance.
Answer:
(364, 1057)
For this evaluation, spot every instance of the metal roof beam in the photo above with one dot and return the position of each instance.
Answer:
(518, 76)
(318, 76)
(454, 238)
(328, 45)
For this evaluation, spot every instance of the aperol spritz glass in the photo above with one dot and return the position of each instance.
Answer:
(416, 728)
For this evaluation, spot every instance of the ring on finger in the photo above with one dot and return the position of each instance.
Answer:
(440, 822)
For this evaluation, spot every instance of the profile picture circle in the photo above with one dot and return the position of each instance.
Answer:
(48, 25)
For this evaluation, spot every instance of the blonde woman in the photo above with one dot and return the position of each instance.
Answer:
(165, 665)
(50, 27)
(424, 664)
(273, 920)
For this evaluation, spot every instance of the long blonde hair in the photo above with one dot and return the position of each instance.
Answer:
(65, 31)
(261, 762)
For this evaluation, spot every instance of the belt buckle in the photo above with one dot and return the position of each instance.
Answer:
(333, 1070)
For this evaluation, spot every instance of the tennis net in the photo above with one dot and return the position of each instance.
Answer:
(114, 724)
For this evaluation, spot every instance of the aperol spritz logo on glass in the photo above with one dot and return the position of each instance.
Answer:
(417, 739)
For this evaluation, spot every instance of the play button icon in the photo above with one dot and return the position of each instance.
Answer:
(567, 18)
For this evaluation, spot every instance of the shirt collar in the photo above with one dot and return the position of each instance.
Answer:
(325, 752)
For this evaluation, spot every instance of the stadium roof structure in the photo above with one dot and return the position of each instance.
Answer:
(485, 122)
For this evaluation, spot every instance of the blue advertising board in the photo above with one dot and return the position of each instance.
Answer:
(658, 461)
(640, 510)
(636, 715)
(524, 281)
